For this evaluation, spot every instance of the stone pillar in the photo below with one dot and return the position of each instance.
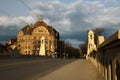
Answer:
(106, 73)
(42, 51)
(109, 72)
(115, 71)
(105, 70)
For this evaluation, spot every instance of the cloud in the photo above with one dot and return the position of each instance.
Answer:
(74, 42)
(71, 20)
(7, 21)
(9, 26)
(79, 16)
(110, 1)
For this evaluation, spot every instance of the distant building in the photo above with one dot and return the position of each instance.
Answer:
(3, 50)
(29, 39)
(12, 43)
(7, 47)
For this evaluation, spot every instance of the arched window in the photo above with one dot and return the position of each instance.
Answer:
(42, 41)
(90, 36)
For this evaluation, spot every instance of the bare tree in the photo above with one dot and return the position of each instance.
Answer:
(83, 49)
(98, 32)
(71, 52)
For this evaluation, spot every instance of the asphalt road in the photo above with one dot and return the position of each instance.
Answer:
(29, 69)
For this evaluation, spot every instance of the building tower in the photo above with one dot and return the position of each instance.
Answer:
(42, 51)
(91, 44)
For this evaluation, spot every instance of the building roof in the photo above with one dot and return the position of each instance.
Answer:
(28, 29)
(40, 23)
(13, 41)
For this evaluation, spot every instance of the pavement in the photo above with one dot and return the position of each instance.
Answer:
(77, 70)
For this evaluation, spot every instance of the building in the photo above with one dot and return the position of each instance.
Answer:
(4, 50)
(7, 47)
(36, 37)
(12, 43)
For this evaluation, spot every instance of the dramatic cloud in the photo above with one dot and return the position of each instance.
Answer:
(71, 20)
(7, 21)
(9, 26)
(74, 42)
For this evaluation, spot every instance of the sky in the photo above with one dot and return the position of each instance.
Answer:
(71, 18)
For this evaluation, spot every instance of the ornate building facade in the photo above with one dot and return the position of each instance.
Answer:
(29, 39)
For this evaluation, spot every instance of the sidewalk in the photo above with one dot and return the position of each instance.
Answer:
(78, 70)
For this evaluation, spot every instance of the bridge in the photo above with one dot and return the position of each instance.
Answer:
(102, 63)
(48, 69)
(106, 56)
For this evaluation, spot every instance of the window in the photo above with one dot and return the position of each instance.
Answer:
(34, 38)
(42, 41)
(46, 41)
(40, 30)
(28, 47)
(39, 42)
(29, 52)
(26, 52)
(90, 36)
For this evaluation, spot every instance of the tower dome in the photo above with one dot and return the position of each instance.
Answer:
(40, 22)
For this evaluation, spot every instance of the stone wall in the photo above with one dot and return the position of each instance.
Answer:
(107, 57)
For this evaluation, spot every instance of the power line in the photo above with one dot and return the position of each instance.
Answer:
(2, 11)
(25, 4)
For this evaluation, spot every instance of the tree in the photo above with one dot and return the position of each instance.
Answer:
(98, 32)
(83, 49)
(71, 52)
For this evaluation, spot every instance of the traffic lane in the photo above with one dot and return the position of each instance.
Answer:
(32, 71)
(4, 65)
(9, 62)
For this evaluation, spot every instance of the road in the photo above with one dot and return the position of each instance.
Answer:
(78, 70)
(29, 69)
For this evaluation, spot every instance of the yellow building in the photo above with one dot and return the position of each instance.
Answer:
(29, 39)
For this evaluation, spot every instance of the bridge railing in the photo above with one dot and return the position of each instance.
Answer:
(107, 57)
